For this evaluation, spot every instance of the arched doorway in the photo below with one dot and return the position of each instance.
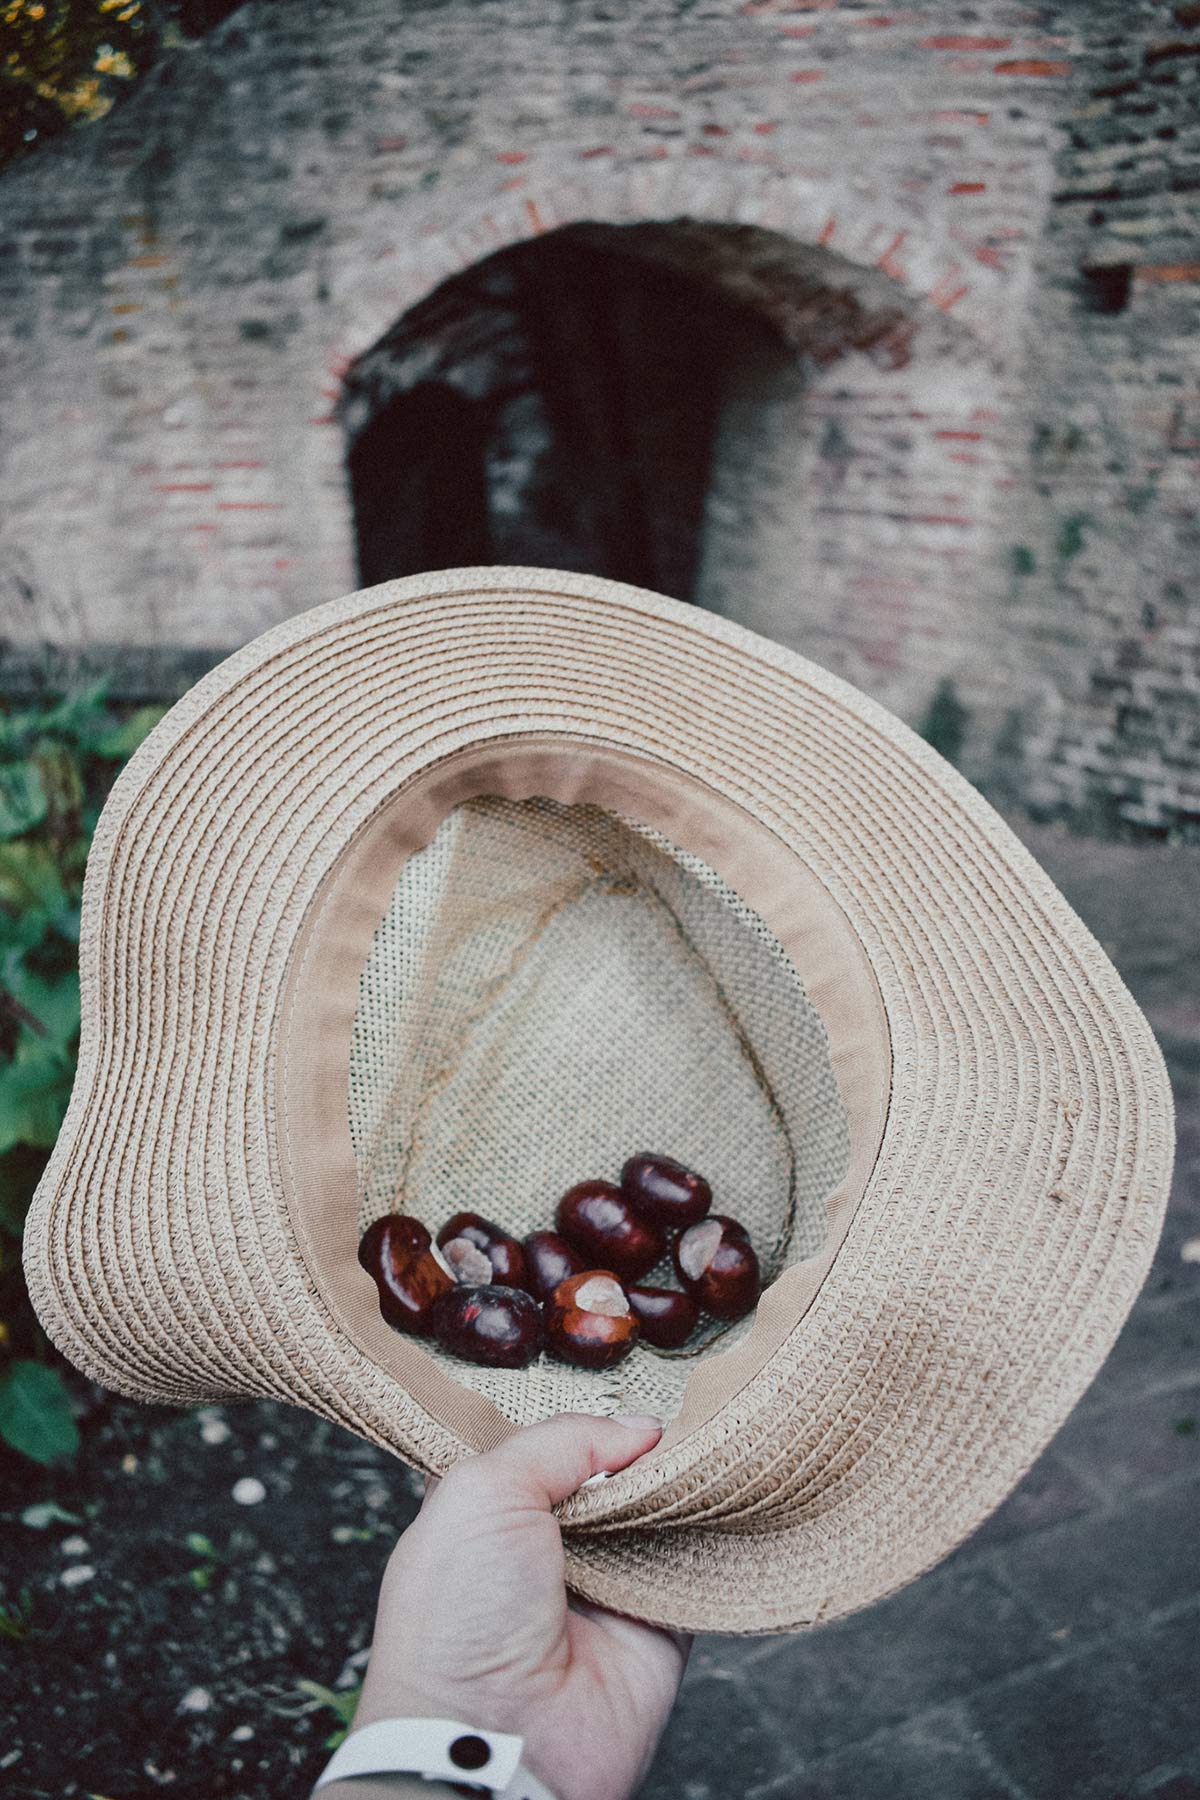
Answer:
(713, 411)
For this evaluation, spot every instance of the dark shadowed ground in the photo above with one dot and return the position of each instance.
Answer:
(174, 1613)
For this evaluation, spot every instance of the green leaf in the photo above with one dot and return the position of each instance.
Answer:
(34, 1092)
(123, 739)
(53, 1001)
(35, 1412)
(20, 1172)
(81, 714)
(342, 1701)
(22, 798)
(200, 1545)
(30, 881)
(62, 779)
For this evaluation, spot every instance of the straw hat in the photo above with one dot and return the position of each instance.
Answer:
(463, 889)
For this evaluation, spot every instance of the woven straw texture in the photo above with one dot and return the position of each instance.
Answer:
(994, 1244)
(552, 989)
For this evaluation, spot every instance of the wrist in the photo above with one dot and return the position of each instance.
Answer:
(392, 1754)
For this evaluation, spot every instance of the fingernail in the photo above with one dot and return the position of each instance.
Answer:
(639, 1421)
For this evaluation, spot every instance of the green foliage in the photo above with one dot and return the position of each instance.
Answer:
(65, 62)
(16, 1618)
(1023, 560)
(57, 762)
(342, 1702)
(945, 724)
(35, 1412)
(1070, 536)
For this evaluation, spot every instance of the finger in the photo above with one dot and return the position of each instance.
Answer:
(542, 1464)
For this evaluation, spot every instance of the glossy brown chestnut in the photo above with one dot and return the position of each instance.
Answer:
(500, 1327)
(503, 1252)
(665, 1317)
(589, 1321)
(597, 1219)
(395, 1252)
(665, 1191)
(550, 1259)
(717, 1265)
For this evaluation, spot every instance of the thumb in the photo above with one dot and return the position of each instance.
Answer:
(544, 1463)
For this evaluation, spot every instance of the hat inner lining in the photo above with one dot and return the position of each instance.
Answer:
(552, 989)
(749, 959)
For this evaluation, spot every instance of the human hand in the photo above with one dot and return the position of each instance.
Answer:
(474, 1621)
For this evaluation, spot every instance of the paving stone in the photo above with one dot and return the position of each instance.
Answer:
(1087, 1727)
(1169, 1787)
(947, 1634)
(1137, 1443)
(717, 1744)
(934, 1758)
(1158, 1349)
(1142, 1558)
(1048, 1495)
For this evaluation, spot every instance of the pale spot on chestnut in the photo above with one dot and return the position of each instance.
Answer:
(697, 1247)
(715, 1261)
(601, 1294)
(589, 1321)
(467, 1262)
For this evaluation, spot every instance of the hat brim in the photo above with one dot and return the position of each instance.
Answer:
(1007, 1199)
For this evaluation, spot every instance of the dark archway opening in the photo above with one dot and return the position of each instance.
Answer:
(419, 482)
(558, 404)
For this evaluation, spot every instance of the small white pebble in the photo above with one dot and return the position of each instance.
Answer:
(196, 1699)
(74, 1546)
(215, 1431)
(1190, 1251)
(241, 1734)
(249, 1491)
(77, 1574)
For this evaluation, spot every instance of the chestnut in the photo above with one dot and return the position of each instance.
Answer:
(596, 1218)
(395, 1251)
(665, 1317)
(717, 1265)
(664, 1190)
(589, 1321)
(550, 1259)
(504, 1253)
(500, 1327)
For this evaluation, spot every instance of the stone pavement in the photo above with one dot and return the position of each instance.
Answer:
(1056, 1654)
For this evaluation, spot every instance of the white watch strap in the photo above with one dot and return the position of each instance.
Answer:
(440, 1750)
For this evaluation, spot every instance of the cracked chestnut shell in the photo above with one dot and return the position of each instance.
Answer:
(550, 1259)
(396, 1254)
(499, 1327)
(666, 1318)
(589, 1320)
(504, 1253)
(666, 1191)
(597, 1219)
(716, 1263)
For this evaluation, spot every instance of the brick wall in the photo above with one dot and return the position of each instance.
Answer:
(999, 495)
